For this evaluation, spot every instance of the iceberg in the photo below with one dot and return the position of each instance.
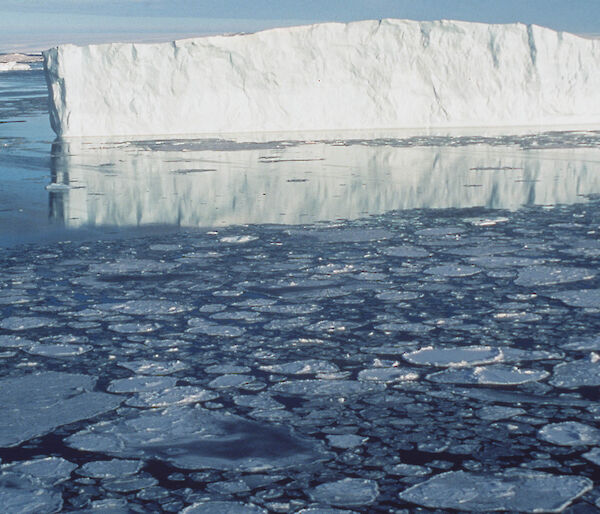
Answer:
(330, 76)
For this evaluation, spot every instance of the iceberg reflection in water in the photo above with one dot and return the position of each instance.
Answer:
(190, 183)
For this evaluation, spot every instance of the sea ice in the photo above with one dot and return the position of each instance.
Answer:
(454, 357)
(497, 374)
(551, 275)
(194, 438)
(140, 384)
(317, 388)
(114, 468)
(223, 507)
(570, 433)
(348, 492)
(36, 404)
(512, 490)
(453, 270)
(146, 367)
(180, 395)
(579, 373)
(387, 375)
(305, 367)
(27, 495)
(346, 441)
(586, 298)
(17, 323)
(51, 470)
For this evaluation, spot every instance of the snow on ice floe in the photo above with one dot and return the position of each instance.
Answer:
(307, 76)
(141, 384)
(14, 66)
(454, 357)
(348, 492)
(570, 433)
(512, 490)
(27, 495)
(497, 374)
(181, 395)
(36, 404)
(579, 373)
(147, 367)
(387, 375)
(305, 367)
(193, 438)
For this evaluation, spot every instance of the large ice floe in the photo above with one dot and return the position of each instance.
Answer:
(367, 74)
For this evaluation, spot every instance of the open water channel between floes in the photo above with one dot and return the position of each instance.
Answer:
(333, 324)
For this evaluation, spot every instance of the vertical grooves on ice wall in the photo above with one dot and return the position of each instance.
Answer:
(362, 75)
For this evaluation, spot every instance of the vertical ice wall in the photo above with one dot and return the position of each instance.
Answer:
(367, 74)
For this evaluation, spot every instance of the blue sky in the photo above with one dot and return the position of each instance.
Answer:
(29, 24)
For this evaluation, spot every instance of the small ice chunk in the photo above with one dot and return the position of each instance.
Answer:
(570, 433)
(146, 367)
(453, 270)
(551, 275)
(512, 490)
(27, 495)
(309, 388)
(135, 327)
(488, 375)
(219, 369)
(114, 468)
(388, 375)
(232, 380)
(128, 484)
(593, 456)
(348, 492)
(223, 507)
(346, 441)
(579, 373)
(140, 384)
(455, 356)
(409, 470)
(496, 412)
(305, 367)
(174, 396)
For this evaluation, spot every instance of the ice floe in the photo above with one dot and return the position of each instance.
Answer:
(570, 433)
(579, 373)
(512, 490)
(497, 374)
(348, 492)
(454, 357)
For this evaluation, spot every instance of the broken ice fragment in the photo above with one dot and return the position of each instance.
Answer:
(27, 495)
(585, 298)
(18, 323)
(346, 441)
(349, 492)
(310, 388)
(51, 470)
(110, 468)
(140, 384)
(453, 270)
(222, 507)
(174, 396)
(513, 490)
(387, 375)
(144, 367)
(570, 433)
(310, 366)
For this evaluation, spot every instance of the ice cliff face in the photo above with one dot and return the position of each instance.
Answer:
(367, 74)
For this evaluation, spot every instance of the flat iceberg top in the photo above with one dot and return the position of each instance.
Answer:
(331, 76)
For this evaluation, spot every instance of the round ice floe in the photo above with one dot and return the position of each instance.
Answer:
(349, 492)
(110, 468)
(310, 366)
(570, 433)
(550, 275)
(14, 341)
(387, 375)
(455, 356)
(58, 350)
(233, 380)
(398, 296)
(18, 323)
(409, 470)
(201, 326)
(140, 384)
(453, 270)
(219, 369)
(496, 412)
(26, 494)
(222, 507)
(309, 388)
(174, 396)
(128, 484)
(147, 307)
(132, 267)
(585, 298)
(579, 373)
(238, 239)
(51, 470)
(487, 375)
(512, 490)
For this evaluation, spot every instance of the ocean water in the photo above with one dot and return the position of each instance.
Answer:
(285, 323)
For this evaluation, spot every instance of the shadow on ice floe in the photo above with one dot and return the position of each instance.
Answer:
(216, 182)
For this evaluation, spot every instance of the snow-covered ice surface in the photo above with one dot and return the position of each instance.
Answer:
(418, 330)
(361, 75)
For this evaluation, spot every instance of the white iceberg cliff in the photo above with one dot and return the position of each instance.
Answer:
(331, 76)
